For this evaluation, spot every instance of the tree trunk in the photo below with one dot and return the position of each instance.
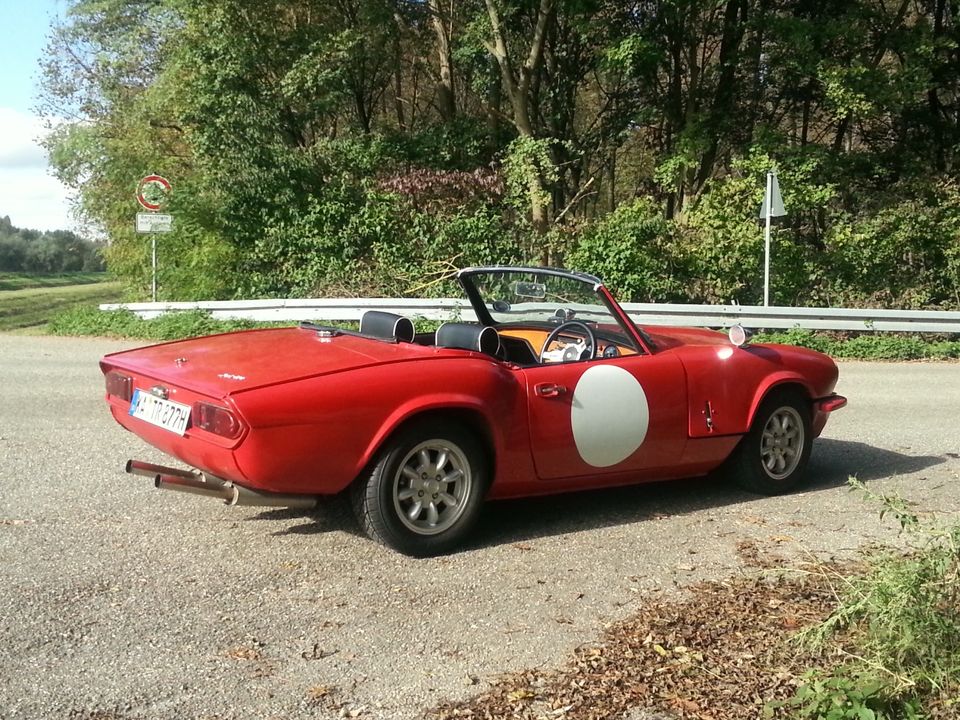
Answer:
(495, 101)
(933, 97)
(844, 133)
(442, 23)
(398, 75)
(612, 178)
(517, 84)
(734, 19)
(805, 127)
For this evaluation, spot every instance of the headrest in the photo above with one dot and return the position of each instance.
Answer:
(468, 336)
(386, 325)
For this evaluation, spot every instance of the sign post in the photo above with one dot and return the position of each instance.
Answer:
(772, 207)
(151, 192)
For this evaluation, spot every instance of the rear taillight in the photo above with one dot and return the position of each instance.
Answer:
(118, 385)
(215, 419)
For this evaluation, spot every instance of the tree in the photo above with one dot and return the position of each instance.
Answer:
(57, 251)
(312, 144)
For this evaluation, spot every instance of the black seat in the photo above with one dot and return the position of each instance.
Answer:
(388, 326)
(467, 336)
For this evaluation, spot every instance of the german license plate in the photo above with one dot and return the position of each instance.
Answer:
(169, 415)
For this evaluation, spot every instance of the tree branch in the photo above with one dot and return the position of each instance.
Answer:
(539, 38)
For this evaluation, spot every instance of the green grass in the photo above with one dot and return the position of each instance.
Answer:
(25, 281)
(36, 306)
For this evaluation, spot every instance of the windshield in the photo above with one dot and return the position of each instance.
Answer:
(524, 296)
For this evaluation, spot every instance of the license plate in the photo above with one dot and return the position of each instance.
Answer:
(169, 415)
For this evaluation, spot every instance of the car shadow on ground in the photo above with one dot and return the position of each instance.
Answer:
(832, 463)
(510, 521)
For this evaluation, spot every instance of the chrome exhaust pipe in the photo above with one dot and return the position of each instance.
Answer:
(199, 483)
(231, 494)
(196, 486)
(138, 467)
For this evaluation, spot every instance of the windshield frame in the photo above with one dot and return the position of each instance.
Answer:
(618, 315)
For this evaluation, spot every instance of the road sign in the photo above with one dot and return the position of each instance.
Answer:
(150, 222)
(151, 191)
(772, 195)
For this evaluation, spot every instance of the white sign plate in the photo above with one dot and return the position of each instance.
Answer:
(148, 222)
(776, 200)
(169, 415)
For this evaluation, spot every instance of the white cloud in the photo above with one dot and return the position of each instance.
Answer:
(28, 193)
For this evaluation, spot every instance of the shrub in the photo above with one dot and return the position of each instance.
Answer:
(125, 324)
(871, 346)
(897, 627)
(633, 251)
(905, 254)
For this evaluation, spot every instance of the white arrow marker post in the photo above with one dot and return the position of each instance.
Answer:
(772, 207)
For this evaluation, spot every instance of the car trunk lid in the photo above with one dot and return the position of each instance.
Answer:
(218, 365)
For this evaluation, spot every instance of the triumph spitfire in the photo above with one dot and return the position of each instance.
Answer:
(552, 388)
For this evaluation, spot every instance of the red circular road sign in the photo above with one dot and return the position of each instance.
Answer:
(154, 186)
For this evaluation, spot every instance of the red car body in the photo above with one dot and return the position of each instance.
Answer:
(306, 411)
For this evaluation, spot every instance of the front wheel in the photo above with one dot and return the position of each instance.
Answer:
(772, 457)
(425, 491)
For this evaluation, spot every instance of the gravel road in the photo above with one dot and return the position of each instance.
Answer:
(118, 601)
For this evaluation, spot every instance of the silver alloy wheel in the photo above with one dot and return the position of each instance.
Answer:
(781, 444)
(431, 488)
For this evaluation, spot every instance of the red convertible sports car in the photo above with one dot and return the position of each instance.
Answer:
(552, 389)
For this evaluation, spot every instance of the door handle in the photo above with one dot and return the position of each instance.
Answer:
(549, 390)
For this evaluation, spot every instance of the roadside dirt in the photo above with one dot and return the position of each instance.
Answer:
(723, 651)
(722, 654)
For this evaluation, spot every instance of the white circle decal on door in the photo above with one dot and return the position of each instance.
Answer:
(609, 414)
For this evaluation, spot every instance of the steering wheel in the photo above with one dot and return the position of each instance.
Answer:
(581, 328)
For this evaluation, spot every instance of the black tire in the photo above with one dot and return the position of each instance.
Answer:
(427, 464)
(771, 459)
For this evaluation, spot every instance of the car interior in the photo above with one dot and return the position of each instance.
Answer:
(524, 346)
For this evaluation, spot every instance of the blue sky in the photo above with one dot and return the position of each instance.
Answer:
(28, 194)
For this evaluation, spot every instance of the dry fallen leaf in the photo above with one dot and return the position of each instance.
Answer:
(721, 653)
(780, 539)
(242, 652)
(516, 695)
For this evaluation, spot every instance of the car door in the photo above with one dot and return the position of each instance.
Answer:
(623, 414)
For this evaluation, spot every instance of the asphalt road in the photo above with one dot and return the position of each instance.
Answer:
(118, 601)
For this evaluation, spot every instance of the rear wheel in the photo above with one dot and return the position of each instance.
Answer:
(424, 493)
(772, 457)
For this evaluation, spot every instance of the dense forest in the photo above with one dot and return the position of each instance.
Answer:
(57, 251)
(370, 146)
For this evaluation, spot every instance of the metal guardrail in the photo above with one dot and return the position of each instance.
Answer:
(316, 309)
(328, 309)
(751, 316)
